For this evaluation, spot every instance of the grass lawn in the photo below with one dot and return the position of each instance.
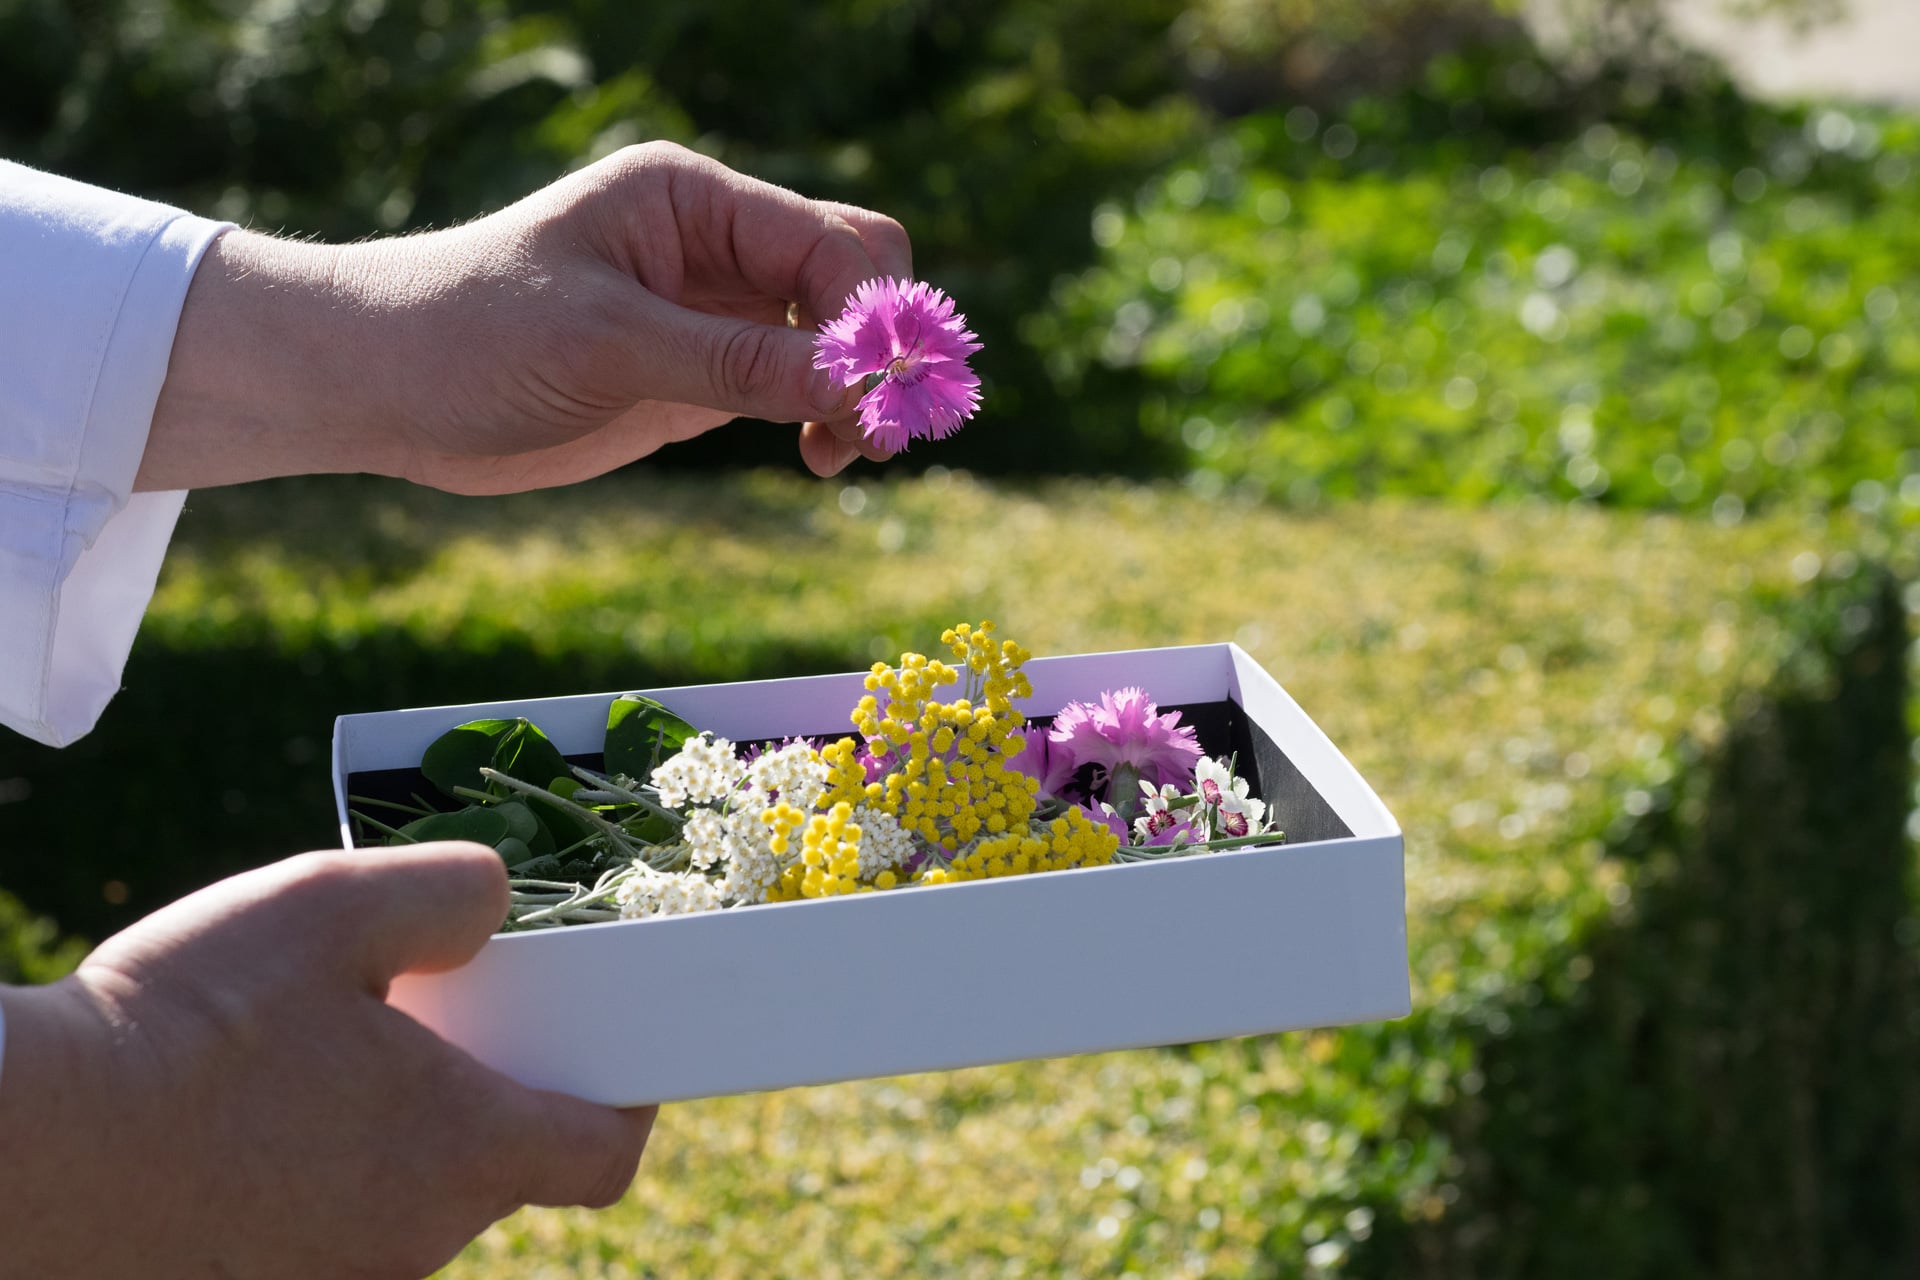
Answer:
(1512, 681)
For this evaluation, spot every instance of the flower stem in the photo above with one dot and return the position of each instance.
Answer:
(621, 838)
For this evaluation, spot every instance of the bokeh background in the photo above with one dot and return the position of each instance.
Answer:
(1535, 392)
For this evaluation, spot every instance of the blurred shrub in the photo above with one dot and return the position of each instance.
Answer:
(31, 948)
(1675, 300)
(1713, 1076)
(989, 127)
(1476, 205)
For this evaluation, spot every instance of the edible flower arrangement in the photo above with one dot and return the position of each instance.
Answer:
(929, 792)
(946, 780)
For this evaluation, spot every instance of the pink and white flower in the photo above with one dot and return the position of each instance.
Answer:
(1240, 815)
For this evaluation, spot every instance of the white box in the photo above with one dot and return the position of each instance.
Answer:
(1307, 933)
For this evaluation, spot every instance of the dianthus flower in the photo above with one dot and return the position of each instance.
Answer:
(1050, 766)
(907, 335)
(1125, 732)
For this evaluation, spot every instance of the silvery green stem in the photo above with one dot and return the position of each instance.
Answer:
(1148, 853)
(582, 900)
(621, 838)
(612, 788)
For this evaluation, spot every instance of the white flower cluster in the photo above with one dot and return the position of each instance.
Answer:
(884, 843)
(795, 773)
(704, 770)
(647, 892)
(708, 841)
(752, 865)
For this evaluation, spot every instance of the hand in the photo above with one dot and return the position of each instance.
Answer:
(221, 1090)
(640, 301)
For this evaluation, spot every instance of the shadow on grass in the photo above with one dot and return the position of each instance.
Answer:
(1726, 1084)
(213, 761)
(390, 530)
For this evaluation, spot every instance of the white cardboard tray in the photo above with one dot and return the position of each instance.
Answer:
(1273, 938)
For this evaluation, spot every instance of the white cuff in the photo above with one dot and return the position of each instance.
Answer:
(94, 282)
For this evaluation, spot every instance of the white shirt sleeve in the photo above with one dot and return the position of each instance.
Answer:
(91, 286)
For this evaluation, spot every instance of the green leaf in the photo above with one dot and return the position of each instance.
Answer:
(521, 824)
(640, 734)
(525, 753)
(483, 826)
(513, 852)
(561, 829)
(652, 828)
(456, 756)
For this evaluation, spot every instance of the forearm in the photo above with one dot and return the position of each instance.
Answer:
(271, 372)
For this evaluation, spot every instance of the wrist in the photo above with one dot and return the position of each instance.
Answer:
(270, 372)
(55, 1132)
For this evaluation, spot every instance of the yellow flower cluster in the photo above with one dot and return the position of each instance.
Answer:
(947, 780)
(829, 862)
(1073, 840)
(951, 785)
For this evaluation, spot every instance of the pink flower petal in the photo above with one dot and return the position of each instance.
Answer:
(906, 334)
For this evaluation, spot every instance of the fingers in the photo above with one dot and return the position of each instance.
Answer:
(780, 246)
(410, 909)
(830, 447)
(562, 1151)
(826, 451)
(885, 240)
(730, 364)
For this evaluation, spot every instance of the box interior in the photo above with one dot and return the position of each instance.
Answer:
(1224, 728)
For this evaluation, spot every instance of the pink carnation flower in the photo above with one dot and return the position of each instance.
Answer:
(1102, 814)
(906, 334)
(1126, 731)
(1039, 759)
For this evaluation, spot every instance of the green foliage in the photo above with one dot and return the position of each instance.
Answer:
(1490, 274)
(988, 127)
(31, 948)
(1496, 287)
(1736, 1030)
(641, 734)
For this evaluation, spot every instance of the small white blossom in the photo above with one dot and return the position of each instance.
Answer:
(884, 843)
(704, 769)
(795, 773)
(709, 843)
(646, 892)
(752, 865)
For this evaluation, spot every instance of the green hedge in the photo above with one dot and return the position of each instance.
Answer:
(1714, 1077)
(1700, 304)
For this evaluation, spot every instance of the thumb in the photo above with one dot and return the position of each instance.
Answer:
(740, 366)
(560, 1150)
(419, 908)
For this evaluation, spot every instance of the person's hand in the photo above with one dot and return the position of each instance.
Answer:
(222, 1091)
(639, 301)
